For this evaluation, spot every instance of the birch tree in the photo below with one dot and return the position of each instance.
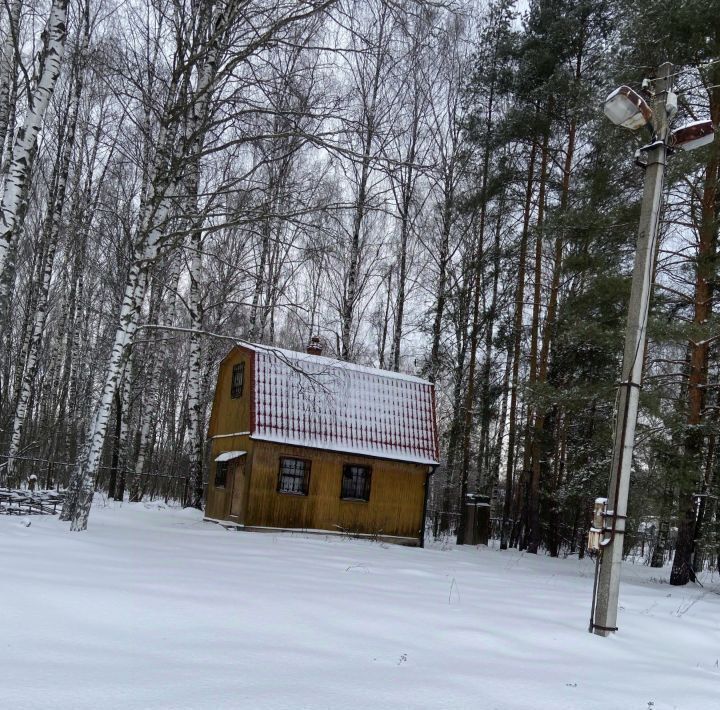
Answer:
(47, 71)
(51, 236)
(407, 157)
(203, 55)
(8, 72)
(371, 57)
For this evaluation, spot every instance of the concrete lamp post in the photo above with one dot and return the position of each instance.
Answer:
(625, 107)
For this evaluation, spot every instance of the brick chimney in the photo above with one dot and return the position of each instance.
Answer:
(315, 346)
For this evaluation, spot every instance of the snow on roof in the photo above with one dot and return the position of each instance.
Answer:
(297, 358)
(315, 401)
(229, 455)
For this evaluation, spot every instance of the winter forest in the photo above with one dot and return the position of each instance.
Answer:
(430, 187)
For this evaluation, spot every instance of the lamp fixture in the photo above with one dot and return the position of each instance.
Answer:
(625, 107)
(693, 135)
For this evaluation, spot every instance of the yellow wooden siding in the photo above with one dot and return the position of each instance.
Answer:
(229, 416)
(396, 494)
(217, 505)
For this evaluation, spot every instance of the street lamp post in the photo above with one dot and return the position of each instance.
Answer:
(627, 108)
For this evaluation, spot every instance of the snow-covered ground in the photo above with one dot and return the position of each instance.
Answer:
(152, 608)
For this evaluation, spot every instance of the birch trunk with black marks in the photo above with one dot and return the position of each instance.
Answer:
(197, 132)
(404, 181)
(53, 222)
(160, 193)
(194, 400)
(151, 392)
(80, 491)
(48, 70)
(368, 133)
(80, 494)
(255, 331)
(443, 259)
(38, 270)
(115, 458)
(8, 71)
(124, 404)
(385, 319)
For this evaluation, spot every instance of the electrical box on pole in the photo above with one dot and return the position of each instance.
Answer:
(597, 530)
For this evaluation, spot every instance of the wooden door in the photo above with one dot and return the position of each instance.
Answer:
(238, 488)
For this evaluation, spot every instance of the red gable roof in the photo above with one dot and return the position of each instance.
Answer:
(309, 400)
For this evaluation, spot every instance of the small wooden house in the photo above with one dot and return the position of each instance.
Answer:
(304, 442)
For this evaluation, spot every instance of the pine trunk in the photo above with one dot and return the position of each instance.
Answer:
(539, 447)
(526, 500)
(697, 380)
(507, 522)
(477, 284)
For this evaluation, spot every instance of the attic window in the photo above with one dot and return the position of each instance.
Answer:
(294, 476)
(238, 379)
(356, 482)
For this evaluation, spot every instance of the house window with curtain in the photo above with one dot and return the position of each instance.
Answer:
(294, 476)
(356, 482)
